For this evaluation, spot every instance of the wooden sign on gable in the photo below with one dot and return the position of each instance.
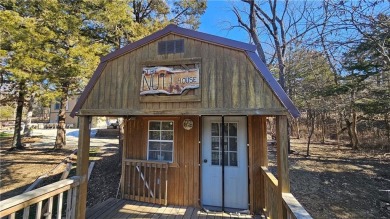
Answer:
(168, 80)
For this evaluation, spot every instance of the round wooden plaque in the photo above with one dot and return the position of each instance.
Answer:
(188, 124)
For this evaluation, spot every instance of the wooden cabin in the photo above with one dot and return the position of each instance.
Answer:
(195, 108)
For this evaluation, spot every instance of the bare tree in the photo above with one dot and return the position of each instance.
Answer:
(285, 23)
(252, 27)
(310, 121)
(344, 26)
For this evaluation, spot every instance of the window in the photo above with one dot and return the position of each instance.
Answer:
(57, 105)
(170, 46)
(160, 141)
(230, 134)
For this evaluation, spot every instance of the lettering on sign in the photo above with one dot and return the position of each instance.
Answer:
(168, 80)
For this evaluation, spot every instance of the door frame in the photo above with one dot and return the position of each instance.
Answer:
(246, 154)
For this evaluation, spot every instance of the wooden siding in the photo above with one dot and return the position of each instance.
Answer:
(183, 174)
(230, 84)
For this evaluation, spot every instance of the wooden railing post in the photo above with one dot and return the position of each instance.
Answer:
(82, 166)
(264, 156)
(282, 159)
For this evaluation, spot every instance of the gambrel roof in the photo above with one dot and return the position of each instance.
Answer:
(248, 49)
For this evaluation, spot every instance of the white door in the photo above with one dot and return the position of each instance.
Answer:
(236, 162)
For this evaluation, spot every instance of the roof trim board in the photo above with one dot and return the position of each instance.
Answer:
(88, 88)
(249, 49)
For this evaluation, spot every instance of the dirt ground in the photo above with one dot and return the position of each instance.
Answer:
(332, 183)
(339, 182)
(20, 168)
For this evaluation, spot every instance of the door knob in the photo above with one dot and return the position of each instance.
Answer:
(205, 161)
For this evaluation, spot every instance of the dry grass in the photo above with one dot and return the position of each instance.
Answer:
(332, 183)
(339, 182)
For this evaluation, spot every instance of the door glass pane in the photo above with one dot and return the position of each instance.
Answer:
(232, 129)
(226, 158)
(215, 143)
(214, 158)
(233, 159)
(226, 129)
(226, 143)
(214, 129)
(232, 144)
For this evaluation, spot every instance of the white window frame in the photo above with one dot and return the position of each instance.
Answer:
(173, 139)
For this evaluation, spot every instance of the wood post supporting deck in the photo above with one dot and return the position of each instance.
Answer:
(258, 156)
(282, 159)
(263, 156)
(82, 166)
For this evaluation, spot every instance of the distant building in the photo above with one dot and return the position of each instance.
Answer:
(55, 108)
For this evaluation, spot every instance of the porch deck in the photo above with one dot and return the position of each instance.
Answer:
(118, 208)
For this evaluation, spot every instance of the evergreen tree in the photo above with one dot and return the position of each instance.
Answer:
(65, 39)
(24, 57)
(369, 79)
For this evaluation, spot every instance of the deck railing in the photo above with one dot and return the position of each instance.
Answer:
(280, 206)
(39, 202)
(145, 181)
(293, 208)
(270, 193)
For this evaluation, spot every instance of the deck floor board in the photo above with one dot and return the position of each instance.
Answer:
(121, 209)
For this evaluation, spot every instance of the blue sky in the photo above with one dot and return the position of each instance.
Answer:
(215, 21)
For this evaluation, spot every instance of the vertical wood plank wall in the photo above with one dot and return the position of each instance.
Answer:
(183, 175)
(228, 81)
(183, 180)
(257, 139)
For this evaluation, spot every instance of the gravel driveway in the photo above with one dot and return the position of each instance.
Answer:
(72, 137)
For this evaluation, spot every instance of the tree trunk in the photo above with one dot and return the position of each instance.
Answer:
(252, 28)
(352, 133)
(279, 55)
(27, 128)
(387, 130)
(338, 125)
(253, 31)
(61, 131)
(17, 139)
(355, 139)
(310, 129)
(353, 124)
(323, 127)
(349, 128)
(298, 129)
